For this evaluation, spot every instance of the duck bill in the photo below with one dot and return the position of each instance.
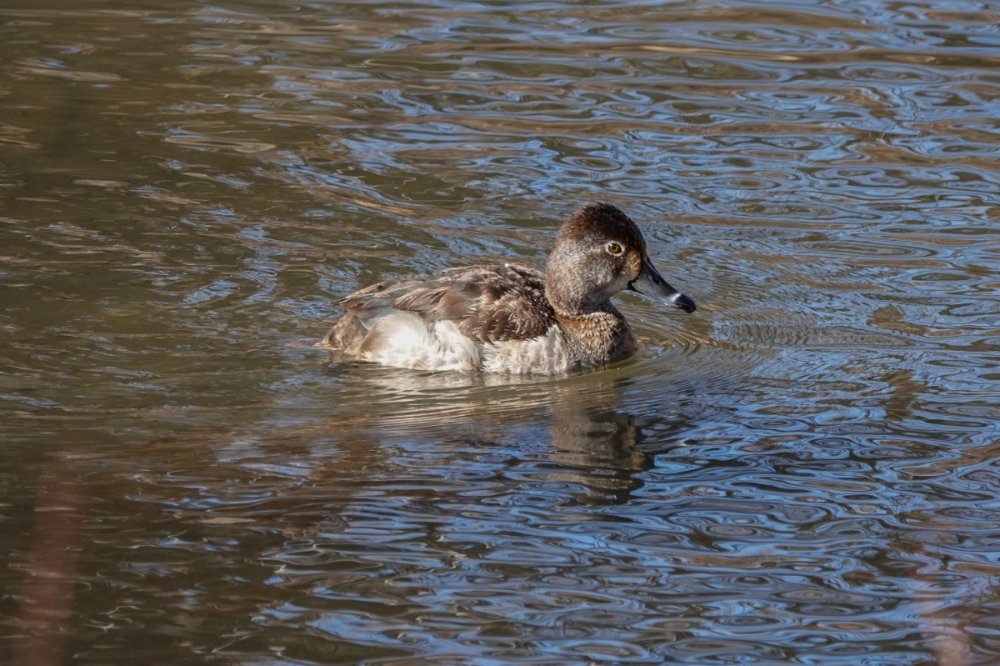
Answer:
(651, 283)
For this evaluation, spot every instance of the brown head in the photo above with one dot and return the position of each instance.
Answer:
(599, 252)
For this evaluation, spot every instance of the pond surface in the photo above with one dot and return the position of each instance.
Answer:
(806, 470)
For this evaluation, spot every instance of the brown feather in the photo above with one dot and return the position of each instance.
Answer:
(488, 303)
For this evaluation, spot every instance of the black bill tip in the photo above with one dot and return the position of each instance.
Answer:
(684, 303)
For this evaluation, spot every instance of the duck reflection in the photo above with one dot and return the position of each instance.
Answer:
(592, 445)
(596, 446)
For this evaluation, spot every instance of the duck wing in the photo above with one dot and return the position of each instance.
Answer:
(487, 303)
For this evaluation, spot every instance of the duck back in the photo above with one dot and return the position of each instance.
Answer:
(492, 318)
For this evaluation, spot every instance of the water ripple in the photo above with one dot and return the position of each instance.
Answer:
(803, 471)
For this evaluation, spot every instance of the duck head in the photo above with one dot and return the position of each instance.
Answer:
(599, 251)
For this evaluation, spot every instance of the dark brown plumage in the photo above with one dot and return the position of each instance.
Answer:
(489, 303)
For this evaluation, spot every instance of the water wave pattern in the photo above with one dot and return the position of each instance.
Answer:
(804, 471)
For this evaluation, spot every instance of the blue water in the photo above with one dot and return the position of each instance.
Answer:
(804, 471)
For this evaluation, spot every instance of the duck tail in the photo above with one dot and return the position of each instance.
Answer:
(345, 336)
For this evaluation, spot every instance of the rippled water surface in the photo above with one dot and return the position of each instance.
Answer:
(806, 470)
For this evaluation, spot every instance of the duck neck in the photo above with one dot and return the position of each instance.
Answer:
(598, 335)
(594, 330)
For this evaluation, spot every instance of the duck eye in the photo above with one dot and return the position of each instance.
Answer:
(614, 249)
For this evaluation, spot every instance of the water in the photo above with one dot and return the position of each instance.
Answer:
(804, 471)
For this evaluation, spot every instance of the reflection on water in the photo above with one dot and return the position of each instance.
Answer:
(805, 471)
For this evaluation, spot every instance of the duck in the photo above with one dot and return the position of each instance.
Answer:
(508, 318)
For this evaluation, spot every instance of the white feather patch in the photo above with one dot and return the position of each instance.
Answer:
(405, 340)
(546, 354)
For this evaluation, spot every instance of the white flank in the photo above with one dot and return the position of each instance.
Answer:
(407, 341)
(547, 354)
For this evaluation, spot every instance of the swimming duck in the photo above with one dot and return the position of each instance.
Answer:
(509, 318)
